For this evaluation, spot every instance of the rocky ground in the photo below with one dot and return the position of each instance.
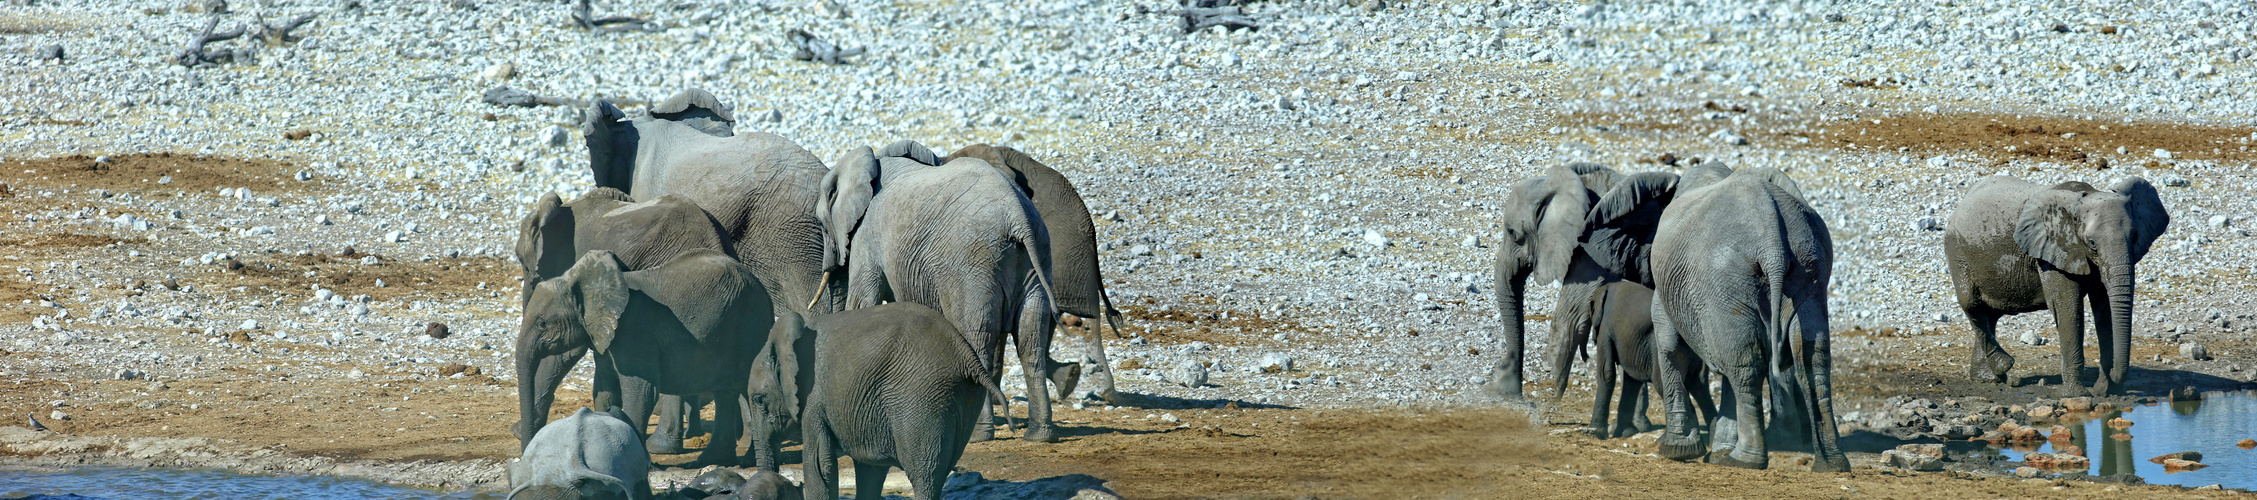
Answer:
(254, 249)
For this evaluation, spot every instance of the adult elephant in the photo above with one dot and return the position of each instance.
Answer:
(1740, 266)
(1544, 223)
(2016, 247)
(690, 325)
(959, 237)
(760, 188)
(1073, 249)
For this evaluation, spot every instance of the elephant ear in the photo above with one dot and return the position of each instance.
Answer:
(698, 109)
(2145, 207)
(847, 191)
(1698, 176)
(597, 279)
(1559, 226)
(1620, 229)
(2048, 230)
(1597, 178)
(544, 240)
(702, 287)
(911, 150)
(611, 145)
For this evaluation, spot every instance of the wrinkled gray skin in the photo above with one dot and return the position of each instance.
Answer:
(1622, 334)
(959, 237)
(1544, 221)
(2016, 247)
(1073, 250)
(1740, 267)
(555, 234)
(760, 188)
(586, 455)
(690, 325)
(895, 386)
(767, 485)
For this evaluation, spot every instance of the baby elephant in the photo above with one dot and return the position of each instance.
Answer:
(587, 455)
(1623, 329)
(895, 386)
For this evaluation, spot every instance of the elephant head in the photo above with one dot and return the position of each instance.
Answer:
(544, 243)
(1544, 219)
(2083, 231)
(611, 145)
(698, 109)
(564, 317)
(847, 191)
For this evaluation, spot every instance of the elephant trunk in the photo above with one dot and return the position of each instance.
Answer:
(538, 375)
(1511, 288)
(2119, 285)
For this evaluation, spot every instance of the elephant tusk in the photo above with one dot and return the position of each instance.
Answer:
(819, 286)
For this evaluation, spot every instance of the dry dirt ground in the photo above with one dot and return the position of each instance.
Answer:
(1150, 448)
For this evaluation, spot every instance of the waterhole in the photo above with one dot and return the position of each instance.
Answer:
(2212, 426)
(137, 484)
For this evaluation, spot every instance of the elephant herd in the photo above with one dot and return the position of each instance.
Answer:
(1675, 278)
(861, 309)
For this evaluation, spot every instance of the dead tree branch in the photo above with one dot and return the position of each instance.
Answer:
(276, 36)
(583, 15)
(809, 48)
(1232, 17)
(196, 54)
(505, 96)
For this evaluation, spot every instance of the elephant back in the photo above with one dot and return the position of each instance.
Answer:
(1073, 235)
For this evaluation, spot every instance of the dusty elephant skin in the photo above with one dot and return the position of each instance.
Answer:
(1545, 219)
(895, 386)
(1725, 248)
(959, 237)
(2016, 247)
(1079, 284)
(587, 455)
(690, 325)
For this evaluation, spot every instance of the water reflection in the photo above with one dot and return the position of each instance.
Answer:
(2211, 426)
(135, 484)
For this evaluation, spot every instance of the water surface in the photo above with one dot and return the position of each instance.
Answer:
(2211, 426)
(137, 484)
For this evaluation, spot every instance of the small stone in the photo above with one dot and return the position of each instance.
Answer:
(1140, 250)
(357, 310)
(556, 137)
(2220, 221)
(1374, 238)
(1275, 362)
(2247, 444)
(2162, 154)
(249, 324)
(1929, 224)
(2076, 404)
(435, 330)
(395, 236)
(58, 415)
(1930, 449)
(355, 374)
(128, 374)
(2168, 179)
(49, 53)
(499, 72)
(2179, 464)
(2056, 461)
(2119, 423)
(2193, 352)
(2032, 337)
(1913, 461)
(773, 116)
(2061, 434)
(1729, 137)
(1189, 373)
(2186, 393)
(452, 369)
(2190, 456)
(1170, 418)
(2027, 472)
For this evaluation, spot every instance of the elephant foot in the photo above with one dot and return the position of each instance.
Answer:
(2075, 390)
(1598, 433)
(663, 444)
(1066, 376)
(1734, 459)
(1680, 448)
(1992, 366)
(1626, 431)
(2106, 387)
(1503, 389)
(983, 433)
(1042, 434)
(1830, 464)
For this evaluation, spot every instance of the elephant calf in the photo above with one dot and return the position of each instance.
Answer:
(585, 455)
(2016, 247)
(895, 386)
(1622, 330)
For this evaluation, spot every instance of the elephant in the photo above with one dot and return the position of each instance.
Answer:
(1544, 224)
(760, 188)
(1073, 249)
(586, 455)
(1740, 265)
(2014, 247)
(959, 237)
(690, 325)
(1622, 333)
(555, 234)
(896, 385)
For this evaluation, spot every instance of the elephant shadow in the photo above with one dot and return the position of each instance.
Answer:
(972, 485)
(2148, 381)
(1158, 402)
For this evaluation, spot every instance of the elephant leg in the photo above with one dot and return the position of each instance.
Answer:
(605, 387)
(1698, 375)
(1630, 413)
(638, 396)
(1989, 361)
(1602, 371)
(1680, 440)
(668, 439)
(2064, 297)
(693, 422)
(1104, 367)
(1748, 450)
(728, 425)
(2106, 338)
(818, 457)
(1034, 362)
(870, 481)
(1787, 422)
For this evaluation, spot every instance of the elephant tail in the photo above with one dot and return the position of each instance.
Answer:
(1112, 315)
(1032, 238)
(980, 373)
